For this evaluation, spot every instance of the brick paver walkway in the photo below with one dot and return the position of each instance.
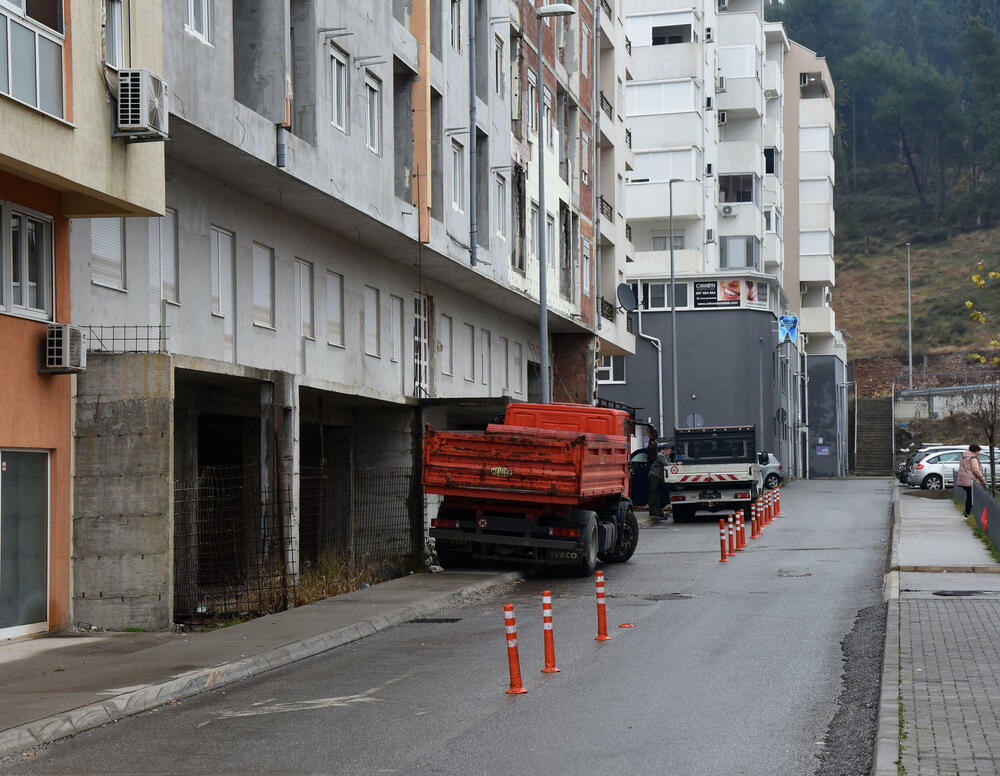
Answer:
(949, 686)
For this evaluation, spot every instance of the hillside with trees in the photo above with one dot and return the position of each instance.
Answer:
(918, 149)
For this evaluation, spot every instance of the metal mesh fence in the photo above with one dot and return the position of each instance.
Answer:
(138, 338)
(233, 547)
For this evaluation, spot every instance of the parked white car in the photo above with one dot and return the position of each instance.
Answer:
(938, 469)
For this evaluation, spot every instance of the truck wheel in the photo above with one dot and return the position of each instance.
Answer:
(589, 532)
(627, 543)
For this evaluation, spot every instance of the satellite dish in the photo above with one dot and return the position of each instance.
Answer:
(626, 297)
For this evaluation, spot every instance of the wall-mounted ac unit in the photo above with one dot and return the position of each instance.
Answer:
(709, 235)
(64, 350)
(727, 210)
(720, 84)
(770, 94)
(142, 104)
(708, 34)
(722, 118)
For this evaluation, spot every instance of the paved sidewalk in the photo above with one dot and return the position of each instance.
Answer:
(940, 704)
(56, 686)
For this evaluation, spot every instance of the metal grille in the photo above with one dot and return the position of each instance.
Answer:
(138, 338)
(361, 516)
(233, 551)
(129, 99)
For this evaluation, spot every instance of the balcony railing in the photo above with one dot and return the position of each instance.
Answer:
(606, 210)
(628, 45)
(628, 137)
(628, 232)
(607, 9)
(607, 309)
(606, 106)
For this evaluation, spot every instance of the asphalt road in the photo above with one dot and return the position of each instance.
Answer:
(730, 669)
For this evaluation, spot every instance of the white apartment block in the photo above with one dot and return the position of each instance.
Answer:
(708, 109)
(315, 292)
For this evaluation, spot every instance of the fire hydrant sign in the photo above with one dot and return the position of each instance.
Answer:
(788, 328)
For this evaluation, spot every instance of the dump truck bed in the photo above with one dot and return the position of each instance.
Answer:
(525, 464)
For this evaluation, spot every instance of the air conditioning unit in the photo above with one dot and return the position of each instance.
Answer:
(722, 118)
(720, 84)
(803, 288)
(142, 104)
(727, 210)
(709, 235)
(770, 94)
(708, 35)
(64, 350)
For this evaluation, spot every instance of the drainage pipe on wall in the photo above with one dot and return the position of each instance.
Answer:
(659, 366)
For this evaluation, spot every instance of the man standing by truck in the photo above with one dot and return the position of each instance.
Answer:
(657, 476)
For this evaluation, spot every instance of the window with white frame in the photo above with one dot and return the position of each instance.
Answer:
(304, 297)
(263, 285)
(532, 103)
(498, 65)
(340, 94)
(517, 366)
(662, 97)
(457, 176)
(395, 328)
(533, 231)
(815, 138)
(163, 263)
(114, 33)
(31, 53)
(819, 243)
(661, 29)
(819, 190)
(334, 309)
(655, 294)
(584, 51)
(27, 268)
(547, 116)
(372, 323)
(738, 61)
(456, 24)
(743, 187)
(486, 354)
(446, 345)
(470, 352)
(587, 264)
(585, 158)
(660, 166)
(772, 220)
(550, 240)
(373, 113)
(107, 252)
(772, 161)
(222, 263)
(611, 369)
(500, 195)
(661, 241)
(504, 364)
(198, 18)
(741, 251)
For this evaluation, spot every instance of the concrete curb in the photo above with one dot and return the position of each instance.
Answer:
(52, 728)
(894, 529)
(886, 755)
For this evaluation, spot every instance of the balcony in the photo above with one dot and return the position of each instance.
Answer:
(817, 320)
(815, 216)
(815, 112)
(606, 7)
(628, 45)
(677, 60)
(607, 211)
(628, 137)
(652, 200)
(607, 107)
(742, 98)
(683, 129)
(815, 164)
(628, 232)
(737, 156)
(687, 261)
(608, 310)
(817, 269)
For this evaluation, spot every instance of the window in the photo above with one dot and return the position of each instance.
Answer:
(611, 369)
(457, 176)
(445, 345)
(550, 241)
(501, 205)
(114, 33)
(663, 97)
(498, 65)
(772, 220)
(395, 328)
(815, 139)
(504, 364)
(661, 241)
(421, 344)
(456, 24)
(661, 166)
(532, 103)
(655, 295)
(373, 113)
(816, 243)
(372, 323)
(31, 263)
(304, 297)
(547, 117)
(163, 261)
(739, 188)
(31, 54)
(661, 29)
(738, 61)
(584, 51)
(518, 368)
(339, 89)
(486, 354)
(221, 262)
(107, 252)
(263, 285)
(533, 231)
(585, 158)
(815, 190)
(198, 18)
(737, 252)
(587, 265)
(771, 161)
(470, 352)
(334, 309)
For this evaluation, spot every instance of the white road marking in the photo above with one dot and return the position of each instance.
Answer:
(336, 702)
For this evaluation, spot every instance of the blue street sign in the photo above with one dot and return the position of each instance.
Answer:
(788, 328)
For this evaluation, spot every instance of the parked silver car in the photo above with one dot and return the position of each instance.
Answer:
(938, 469)
(771, 472)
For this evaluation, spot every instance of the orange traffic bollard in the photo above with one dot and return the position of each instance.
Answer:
(753, 522)
(550, 647)
(722, 539)
(732, 537)
(739, 530)
(602, 618)
(513, 661)
(777, 499)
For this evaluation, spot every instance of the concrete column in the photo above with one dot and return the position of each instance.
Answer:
(286, 391)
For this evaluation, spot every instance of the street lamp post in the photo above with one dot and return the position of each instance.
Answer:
(673, 302)
(555, 9)
(909, 316)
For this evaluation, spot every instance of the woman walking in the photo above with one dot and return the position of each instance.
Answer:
(969, 471)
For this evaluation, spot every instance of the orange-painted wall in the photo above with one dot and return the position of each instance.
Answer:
(34, 408)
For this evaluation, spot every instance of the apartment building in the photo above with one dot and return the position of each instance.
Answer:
(348, 252)
(809, 270)
(731, 127)
(59, 160)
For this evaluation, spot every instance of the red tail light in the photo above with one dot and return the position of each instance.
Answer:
(919, 466)
(677, 498)
(743, 494)
(564, 533)
(439, 523)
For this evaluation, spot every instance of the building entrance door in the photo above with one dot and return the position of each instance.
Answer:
(24, 542)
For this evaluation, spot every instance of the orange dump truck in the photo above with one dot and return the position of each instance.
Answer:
(548, 486)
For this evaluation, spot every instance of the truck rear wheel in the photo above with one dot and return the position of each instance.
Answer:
(628, 542)
(588, 565)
